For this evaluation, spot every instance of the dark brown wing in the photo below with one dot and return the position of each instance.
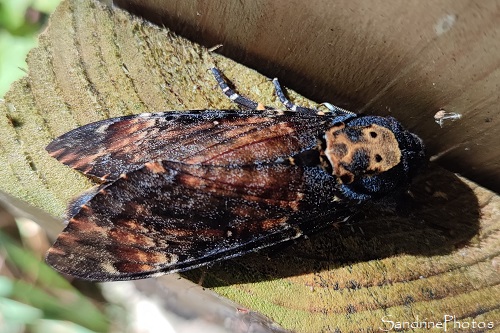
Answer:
(108, 148)
(170, 216)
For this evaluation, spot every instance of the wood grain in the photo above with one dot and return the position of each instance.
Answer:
(437, 255)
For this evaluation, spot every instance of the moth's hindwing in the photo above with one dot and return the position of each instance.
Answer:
(170, 216)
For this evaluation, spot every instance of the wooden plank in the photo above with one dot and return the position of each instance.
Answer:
(438, 256)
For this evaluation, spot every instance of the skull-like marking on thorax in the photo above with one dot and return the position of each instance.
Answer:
(360, 150)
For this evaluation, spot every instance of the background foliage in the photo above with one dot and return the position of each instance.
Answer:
(20, 23)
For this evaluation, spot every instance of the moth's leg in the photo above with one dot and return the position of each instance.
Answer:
(235, 97)
(286, 102)
(338, 110)
(335, 110)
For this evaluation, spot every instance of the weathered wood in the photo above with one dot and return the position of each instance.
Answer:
(438, 256)
(405, 58)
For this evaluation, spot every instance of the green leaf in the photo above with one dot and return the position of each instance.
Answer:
(45, 6)
(13, 51)
(12, 13)
(15, 312)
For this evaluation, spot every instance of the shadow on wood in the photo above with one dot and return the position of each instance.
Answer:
(441, 217)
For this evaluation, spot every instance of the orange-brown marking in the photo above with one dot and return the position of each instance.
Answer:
(67, 238)
(273, 223)
(260, 107)
(256, 145)
(83, 225)
(131, 225)
(78, 161)
(86, 208)
(155, 167)
(106, 176)
(132, 254)
(378, 142)
(192, 181)
(57, 251)
(128, 267)
(126, 237)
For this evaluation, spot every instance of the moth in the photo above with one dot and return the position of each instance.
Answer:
(179, 190)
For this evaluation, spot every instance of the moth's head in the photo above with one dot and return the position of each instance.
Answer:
(372, 156)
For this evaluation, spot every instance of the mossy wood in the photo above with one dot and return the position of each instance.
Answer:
(439, 255)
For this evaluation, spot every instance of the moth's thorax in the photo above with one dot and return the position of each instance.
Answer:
(360, 150)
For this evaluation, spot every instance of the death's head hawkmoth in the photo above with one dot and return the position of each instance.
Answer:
(179, 190)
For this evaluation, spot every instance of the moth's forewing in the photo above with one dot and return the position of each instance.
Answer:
(108, 148)
(170, 216)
